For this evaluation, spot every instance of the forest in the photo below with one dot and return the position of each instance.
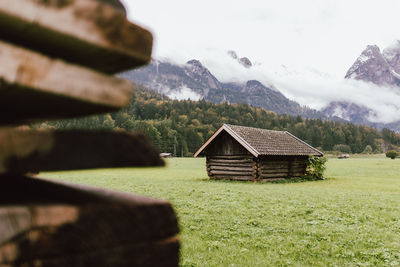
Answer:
(181, 126)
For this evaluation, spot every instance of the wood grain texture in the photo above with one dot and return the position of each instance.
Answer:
(51, 223)
(248, 168)
(33, 87)
(91, 33)
(233, 178)
(23, 151)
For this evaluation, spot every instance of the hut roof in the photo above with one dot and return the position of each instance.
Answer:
(261, 142)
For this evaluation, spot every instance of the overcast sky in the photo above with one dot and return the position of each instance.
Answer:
(311, 38)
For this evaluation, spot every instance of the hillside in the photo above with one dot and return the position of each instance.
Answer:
(181, 126)
(195, 81)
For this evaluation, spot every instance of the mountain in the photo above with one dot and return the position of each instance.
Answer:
(377, 67)
(244, 61)
(193, 80)
(348, 111)
(374, 66)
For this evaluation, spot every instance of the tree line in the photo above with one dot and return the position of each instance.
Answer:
(181, 127)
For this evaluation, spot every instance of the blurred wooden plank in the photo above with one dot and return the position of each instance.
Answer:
(63, 224)
(157, 253)
(92, 33)
(34, 86)
(23, 151)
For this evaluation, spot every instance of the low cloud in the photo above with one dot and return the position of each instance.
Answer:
(184, 93)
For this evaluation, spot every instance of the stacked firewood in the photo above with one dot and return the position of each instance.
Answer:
(58, 58)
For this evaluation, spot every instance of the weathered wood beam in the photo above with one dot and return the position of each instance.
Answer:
(227, 173)
(229, 161)
(275, 171)
(233, 168)
(237, 177)
(297, 169)
(160, 253)
(25, 150)
(62, 224)
(273, 175)
(33, 86)
(86, 32)
(231, 164)
(231, 157)
(272, 179)
(274, 163)
(282, 173)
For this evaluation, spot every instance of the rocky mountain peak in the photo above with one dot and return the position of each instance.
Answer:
(195, 63)
(392, 56)
(374, 66)
(253, 83)
(371, 50)
(348, 111)
(245, 62)
(371, 66)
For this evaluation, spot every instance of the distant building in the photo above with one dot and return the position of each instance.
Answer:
(245, 153)
(344, 156)
(166, 155)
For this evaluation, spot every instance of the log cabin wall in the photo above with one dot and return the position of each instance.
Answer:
(270, 167)
(227, 159)
(240, 167)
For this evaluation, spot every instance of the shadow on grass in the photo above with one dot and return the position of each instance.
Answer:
(266, 181)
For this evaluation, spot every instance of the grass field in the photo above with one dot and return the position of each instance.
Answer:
(350, 219)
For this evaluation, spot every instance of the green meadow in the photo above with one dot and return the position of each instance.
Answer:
(352, 218)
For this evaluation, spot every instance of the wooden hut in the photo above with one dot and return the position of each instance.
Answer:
(245, 153)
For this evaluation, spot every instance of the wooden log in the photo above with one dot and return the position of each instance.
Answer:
(238, 178)
(282, 171)
(272, 179)
(232, 174)
(298, 164)
(36, 87)
(274, 161)
(86, 32)
(297, 170)
(247, 168)
(57, 223)
(275, 165)
(231, 157)
(275, 171)
(273, 175)
(227, 165)
(257, 168)
(157, 253)
(23, 151)
(281, 174)
(295, 175)
(213, 172)
(228, 161)
(298, 167)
